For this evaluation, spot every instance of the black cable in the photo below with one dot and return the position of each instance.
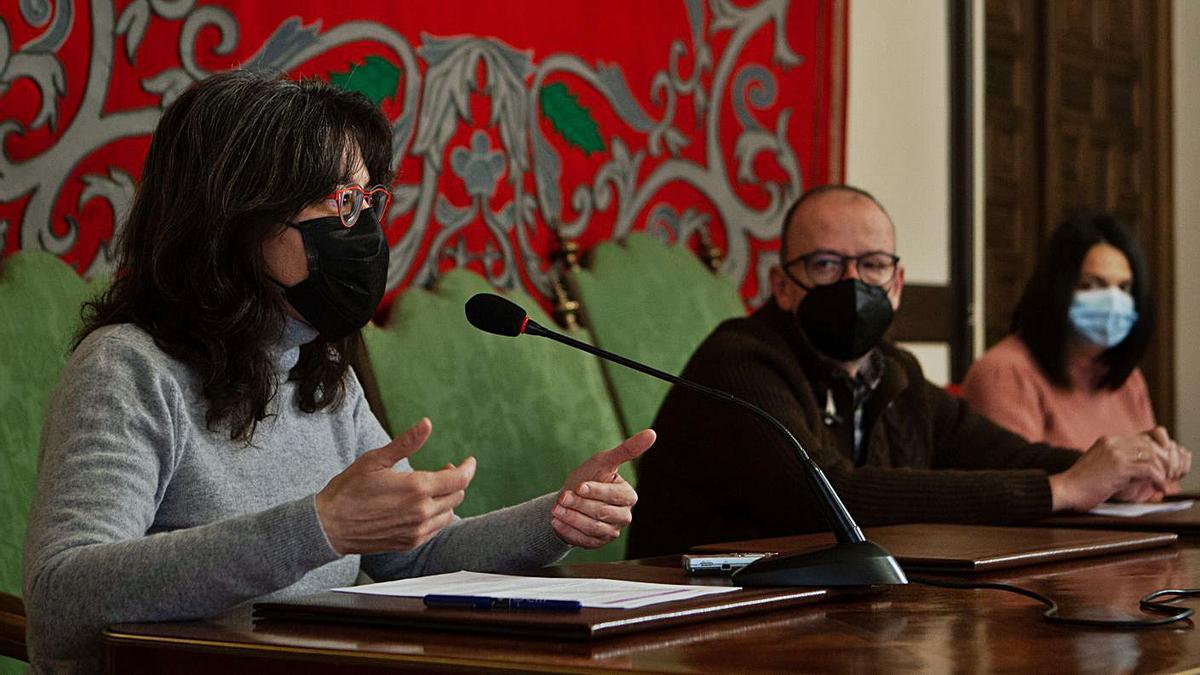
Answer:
(1150, 603)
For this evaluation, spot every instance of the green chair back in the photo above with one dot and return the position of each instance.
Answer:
(529, 410)
(653, 303)
(40, 299)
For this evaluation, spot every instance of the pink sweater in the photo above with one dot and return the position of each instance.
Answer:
(1006, 385)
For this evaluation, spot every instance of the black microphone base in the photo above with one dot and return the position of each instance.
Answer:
(854, 564)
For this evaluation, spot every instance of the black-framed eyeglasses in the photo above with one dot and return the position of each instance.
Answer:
(825, 267)
(350, 200)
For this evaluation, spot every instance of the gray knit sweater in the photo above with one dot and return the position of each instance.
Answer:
(143, 514)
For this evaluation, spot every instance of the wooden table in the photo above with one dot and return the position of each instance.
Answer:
(909, 629)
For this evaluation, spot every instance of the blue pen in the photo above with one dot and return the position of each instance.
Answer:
(486, 602)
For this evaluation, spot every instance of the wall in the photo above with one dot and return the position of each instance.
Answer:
(897, 124)
(1186, 57)
(897, 135)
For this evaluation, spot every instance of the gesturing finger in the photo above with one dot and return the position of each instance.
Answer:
(426, 531)
(617, 493)
(630, 449)
(574, 536)
(428, 508)
(586, 524)
(448, 480)
(399, 448)
(618, 516)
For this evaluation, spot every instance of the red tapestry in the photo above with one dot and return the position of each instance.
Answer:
(516, 123)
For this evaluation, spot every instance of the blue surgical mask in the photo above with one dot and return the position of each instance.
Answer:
(1103, 316)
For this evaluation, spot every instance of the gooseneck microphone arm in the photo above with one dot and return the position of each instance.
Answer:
(854, 561)
(836, 515)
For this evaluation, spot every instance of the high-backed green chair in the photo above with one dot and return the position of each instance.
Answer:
(529, 410)
(40, 299)
(653, 303)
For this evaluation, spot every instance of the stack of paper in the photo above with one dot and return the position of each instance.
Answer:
(1134, 510)
(604, 593)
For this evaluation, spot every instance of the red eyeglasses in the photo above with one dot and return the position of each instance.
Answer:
(350, 200)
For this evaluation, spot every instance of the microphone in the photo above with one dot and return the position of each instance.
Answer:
(493, 314)
(853, 561)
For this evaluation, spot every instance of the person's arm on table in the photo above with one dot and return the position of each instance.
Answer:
(758, 464)
(1135, 467)
(362, 511)
(964, 439)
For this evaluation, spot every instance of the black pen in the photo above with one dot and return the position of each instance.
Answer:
(487, 602)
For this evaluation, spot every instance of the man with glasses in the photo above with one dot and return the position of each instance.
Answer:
(896, 447)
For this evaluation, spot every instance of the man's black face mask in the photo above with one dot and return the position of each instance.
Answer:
(845, 320)
(347, 274)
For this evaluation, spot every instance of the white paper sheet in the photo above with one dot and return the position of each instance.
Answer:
(605, 593)
(1134, 510)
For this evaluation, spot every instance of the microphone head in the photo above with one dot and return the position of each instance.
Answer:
(494, 314)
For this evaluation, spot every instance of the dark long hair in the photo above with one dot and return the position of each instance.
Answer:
(233, 159)
(1041, 318)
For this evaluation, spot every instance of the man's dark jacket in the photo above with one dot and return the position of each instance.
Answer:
(717, 473)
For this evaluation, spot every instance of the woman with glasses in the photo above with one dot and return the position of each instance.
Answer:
(207, 445)
(1068, 373)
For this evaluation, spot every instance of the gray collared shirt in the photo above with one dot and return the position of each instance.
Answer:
(864, 382)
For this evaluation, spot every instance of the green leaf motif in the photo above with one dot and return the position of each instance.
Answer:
(570, 119)
(376, 78)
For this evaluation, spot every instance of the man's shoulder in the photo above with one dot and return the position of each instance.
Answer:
(741, 336)
(907, 380)
(893, 350)
(758, 338)
(907, 361)
(738, 329)
(737, 344)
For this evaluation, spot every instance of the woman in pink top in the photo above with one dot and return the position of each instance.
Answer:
(1068, 373)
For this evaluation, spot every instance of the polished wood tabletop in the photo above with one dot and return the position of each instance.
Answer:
(911, 628)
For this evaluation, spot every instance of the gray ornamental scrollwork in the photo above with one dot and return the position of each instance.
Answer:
(437, 80)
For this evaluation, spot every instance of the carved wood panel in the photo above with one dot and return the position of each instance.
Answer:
(1077, 117)
(1012, 168)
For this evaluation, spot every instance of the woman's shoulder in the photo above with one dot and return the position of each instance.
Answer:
(1006, 364)
(1007, 354)
(119, 352)
(117, 340)
(1135, 384)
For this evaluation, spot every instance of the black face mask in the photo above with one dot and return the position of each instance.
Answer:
(347, 274)
(845, 320)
